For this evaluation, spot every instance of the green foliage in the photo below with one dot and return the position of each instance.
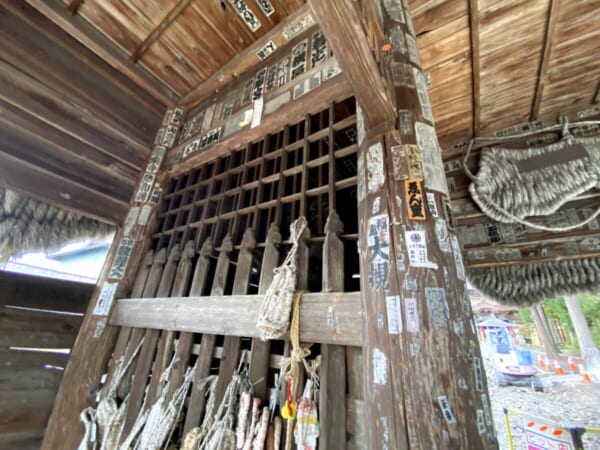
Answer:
(590, 305)
(526, 315)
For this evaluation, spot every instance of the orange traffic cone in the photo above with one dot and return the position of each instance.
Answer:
(547, 364)
(585, 377)
(557, 369)
(572, 367)
(540, 360)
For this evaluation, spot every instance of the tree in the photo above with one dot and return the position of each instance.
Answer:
(589, 351)
(541, 324)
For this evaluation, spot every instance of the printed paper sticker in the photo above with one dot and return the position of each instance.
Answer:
(266, 7)
(375, 167)
(405, 122)
(299, 55)
(119, 265)
(446, 411)
(105, 299)
(414, 200)
(480, 422)
(478, 373)
(421, 83)
(155, 160)
(378, 242)
(438, 306)
(413, 51)
(416, 244)
(431, 205)
(318, 53)
(144, 215)
(331, 69)
(414, 163)
(394, 10)
(297, 28)
(399, 163)
(130, 220)
(431, 158)
(412, 315)
(443, 238)
(156, 193)
(246, 14)
(145, 187)
(460, 267)
(380, 369)
(394, 314)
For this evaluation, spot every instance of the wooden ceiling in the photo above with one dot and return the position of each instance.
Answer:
(85, 82)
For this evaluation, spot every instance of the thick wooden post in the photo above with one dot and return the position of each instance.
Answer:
(424, 379)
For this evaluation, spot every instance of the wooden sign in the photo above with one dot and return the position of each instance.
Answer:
(414, 199)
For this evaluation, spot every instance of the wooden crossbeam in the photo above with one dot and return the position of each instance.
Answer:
(342, 27)
(157, 32)
(545, 59)
(74, 6)
(97, 42)
(327, 318)
(242, 62)
(475, 72)
(335, 89)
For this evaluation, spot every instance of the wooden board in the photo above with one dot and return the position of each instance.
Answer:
(236, 315)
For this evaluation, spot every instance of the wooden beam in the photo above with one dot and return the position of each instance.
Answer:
(242, 62)
(37, 143)
(475, 64)
(157, 32)
(27, 94)
(342, 27)
(102, 46)
(335, 89)
(30, 180)
(55, 35)
(29, 291)
(74, 6)
(545, 59)
(236, 315)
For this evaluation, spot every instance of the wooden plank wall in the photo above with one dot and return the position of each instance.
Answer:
(35, 313)
(74, 132)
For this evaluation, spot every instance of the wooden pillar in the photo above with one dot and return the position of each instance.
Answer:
(424, 378)
(541, 325)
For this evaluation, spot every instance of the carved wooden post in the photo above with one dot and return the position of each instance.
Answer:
(424, 379)
(259, 358)
(333, 364)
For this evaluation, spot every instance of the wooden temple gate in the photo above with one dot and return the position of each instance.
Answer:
(400, 364)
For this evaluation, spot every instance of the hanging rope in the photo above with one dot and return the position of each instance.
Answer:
(163, 416)
(88, 417)
(508, 195)
(107, 419)
(290, 368)
(274, 315)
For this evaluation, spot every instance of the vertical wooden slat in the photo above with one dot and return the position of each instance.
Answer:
(231, 344)
(207, 344)
(146, 355)
(165, 345)
(333, 363)
(259, 358)
(154, 277)
(199, 280)
(125, 332)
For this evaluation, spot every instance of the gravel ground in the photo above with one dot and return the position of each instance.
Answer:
(565, 400)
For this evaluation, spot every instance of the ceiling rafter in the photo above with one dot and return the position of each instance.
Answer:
(243, 62)
(74, 6)
(475, 64)
(545, 59)
(157, 32)
(97, 42)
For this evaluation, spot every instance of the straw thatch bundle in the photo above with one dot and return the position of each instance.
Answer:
(27, 224)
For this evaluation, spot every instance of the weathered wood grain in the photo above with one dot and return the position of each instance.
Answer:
(236, 315)
(103, 47)
(342, 27)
